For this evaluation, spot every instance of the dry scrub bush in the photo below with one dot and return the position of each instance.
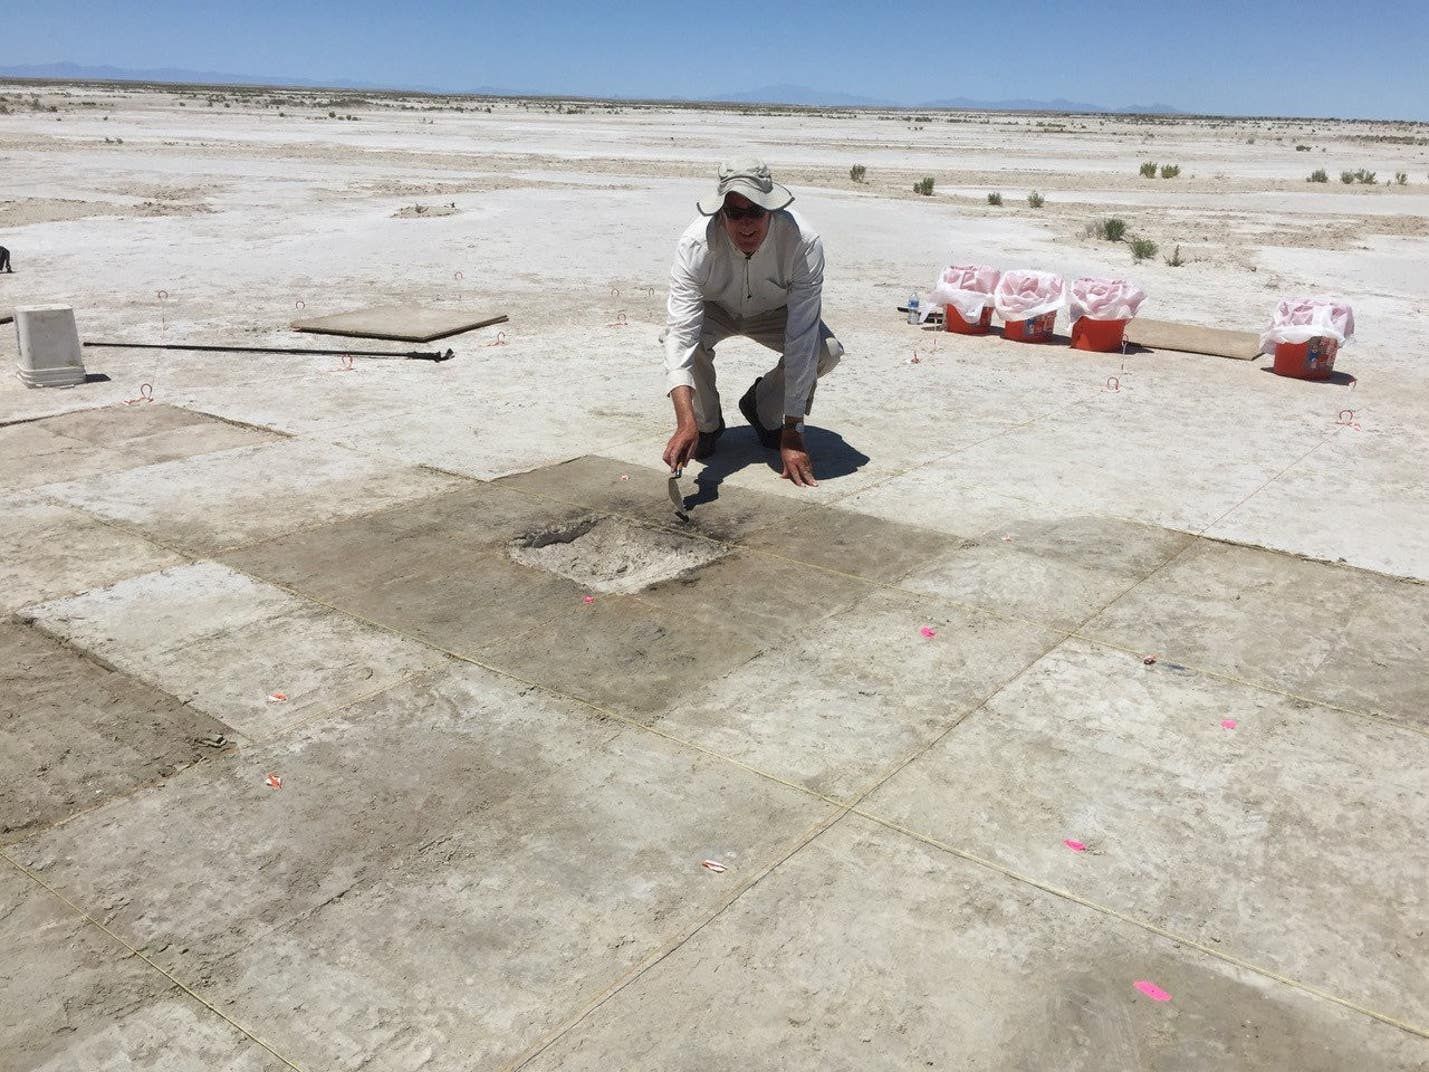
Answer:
(1113, 229)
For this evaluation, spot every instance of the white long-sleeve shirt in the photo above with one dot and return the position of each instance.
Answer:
(787, 269)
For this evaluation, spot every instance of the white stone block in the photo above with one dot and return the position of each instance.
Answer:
(50, 354)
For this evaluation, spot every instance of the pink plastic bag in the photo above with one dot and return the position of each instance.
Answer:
(1105, 299)
(1299, 320)
(1022, 294)
(966, 287)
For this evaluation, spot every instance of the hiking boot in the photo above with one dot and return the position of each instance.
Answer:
(770, 439)
(705, 445)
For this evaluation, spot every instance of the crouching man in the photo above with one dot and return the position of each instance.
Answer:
(747, 266)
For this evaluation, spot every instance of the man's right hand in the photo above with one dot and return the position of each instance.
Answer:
(687, 430)
(681, 445)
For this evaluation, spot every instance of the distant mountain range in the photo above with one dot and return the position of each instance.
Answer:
(775, 94)
(1058, 105)
(77, 72)
(803, 95)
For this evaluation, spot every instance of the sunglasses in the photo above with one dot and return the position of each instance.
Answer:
(753, 212)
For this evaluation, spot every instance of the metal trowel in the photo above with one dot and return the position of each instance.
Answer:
(673, 485)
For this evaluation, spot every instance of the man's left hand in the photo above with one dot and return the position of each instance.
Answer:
(798, 466)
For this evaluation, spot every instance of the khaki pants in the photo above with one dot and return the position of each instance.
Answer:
(767, 329)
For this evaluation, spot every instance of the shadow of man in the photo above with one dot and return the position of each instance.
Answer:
(740, 449)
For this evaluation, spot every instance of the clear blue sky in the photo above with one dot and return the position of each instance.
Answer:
(1311, 57)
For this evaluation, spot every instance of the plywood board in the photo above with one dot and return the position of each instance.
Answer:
(1193, 339)
(401, 323)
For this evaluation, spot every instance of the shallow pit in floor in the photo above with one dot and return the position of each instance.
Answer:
(610, 554)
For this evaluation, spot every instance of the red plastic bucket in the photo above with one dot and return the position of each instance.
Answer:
(953, 321)
(1313, 359)
(1100, 336)
(1037, 329)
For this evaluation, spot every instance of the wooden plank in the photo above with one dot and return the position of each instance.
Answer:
(1193, 339)
(401, 323)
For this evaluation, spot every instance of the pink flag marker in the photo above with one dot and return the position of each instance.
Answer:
(1151, 990)
(587, 600)
(928, 631)
(1074, 845)
(1228, 723)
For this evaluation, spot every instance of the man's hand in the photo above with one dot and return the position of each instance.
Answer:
(798, 467)
(681, 445)
(687, 432)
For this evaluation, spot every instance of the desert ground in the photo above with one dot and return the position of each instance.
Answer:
(385, 717)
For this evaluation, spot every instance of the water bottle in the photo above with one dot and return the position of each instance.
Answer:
(913, 309)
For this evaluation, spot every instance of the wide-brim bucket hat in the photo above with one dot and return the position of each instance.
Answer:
(748, 176)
